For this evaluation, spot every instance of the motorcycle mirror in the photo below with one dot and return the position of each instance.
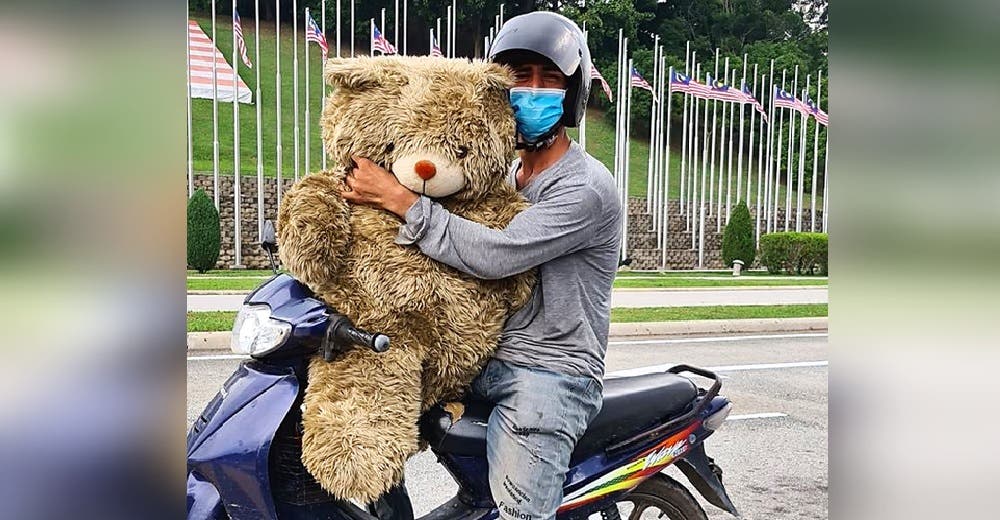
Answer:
(269, 240)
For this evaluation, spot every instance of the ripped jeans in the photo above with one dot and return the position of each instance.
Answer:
(538, 417)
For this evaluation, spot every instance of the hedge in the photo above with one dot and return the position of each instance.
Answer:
(737, 238)
(204, 235)
(794, 253)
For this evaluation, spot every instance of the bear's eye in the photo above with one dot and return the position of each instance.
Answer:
(461, 152)
(390, 147)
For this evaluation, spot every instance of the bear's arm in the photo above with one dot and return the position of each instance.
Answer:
(314, 230)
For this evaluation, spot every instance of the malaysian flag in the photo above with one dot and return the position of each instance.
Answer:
(379, 43)
(783, 99)
(748, 96)
(638, 81)
(239, 39)
(817, 112)
(681, 82)
(596, 74)
(435, 49)
(720, 91)
(315, 34)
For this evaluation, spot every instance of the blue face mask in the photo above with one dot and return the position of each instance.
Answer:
(536, 110)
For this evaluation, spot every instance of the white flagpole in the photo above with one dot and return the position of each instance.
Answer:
(371, 41)
(447, 44)
(758, 209)
(753, 121)
(812, 211)
(650, 180)
(337, 54)
(583, 120)
(501, 21)
(260, 136)
(663, 119)
(454, 28)
(322, 85)
(665, 226)
(215, 116)
(701, 198)
(684, 129)
(189, 136)
(739, 160)
(729, 153)
(277, 95)
(715, 104)
(438, 32)
(405, 9)
(305, 45)
(237, 232)
(619, 114)
(802, 163)
(722, 151)
(770, 139)
(628, 147)
(791, 139)
(395, 25)
(656, 143)
(776, 183)
(295, 81)
(693, 145)
(352, 28)
(384, 29)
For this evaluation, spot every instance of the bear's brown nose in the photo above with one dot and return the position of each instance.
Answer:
(425, 169)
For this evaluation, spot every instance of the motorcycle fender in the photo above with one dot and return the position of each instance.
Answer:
(231, 452)
(698, 469)
(203, 501)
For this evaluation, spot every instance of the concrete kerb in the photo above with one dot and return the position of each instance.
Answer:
(220, 340)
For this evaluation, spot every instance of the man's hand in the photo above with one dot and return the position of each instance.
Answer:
(371, 185)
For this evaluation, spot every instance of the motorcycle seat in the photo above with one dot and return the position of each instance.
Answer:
(631, 404)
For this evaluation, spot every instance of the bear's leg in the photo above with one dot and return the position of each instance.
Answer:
(360, 420)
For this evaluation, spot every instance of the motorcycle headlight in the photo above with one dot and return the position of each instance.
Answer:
(256, 333)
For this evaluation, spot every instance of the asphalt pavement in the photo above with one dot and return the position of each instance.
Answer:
(619, 298)
(773, 450)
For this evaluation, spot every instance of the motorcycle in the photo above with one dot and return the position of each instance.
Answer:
(244, 450)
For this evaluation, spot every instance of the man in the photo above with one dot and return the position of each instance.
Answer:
(545, 378)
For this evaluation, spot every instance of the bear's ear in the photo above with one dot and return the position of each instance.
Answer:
(364, 73)
(498, 77)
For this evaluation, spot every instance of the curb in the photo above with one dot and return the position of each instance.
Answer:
(680, 328)
(723, 288)
(220, 292)
(220, 340)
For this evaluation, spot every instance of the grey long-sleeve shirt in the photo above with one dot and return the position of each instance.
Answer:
(572, 232)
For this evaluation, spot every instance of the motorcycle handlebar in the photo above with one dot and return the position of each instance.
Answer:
(341, 334)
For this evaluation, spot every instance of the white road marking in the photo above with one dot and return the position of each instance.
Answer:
(719, 339)
(764, 415)
(725, 368)
(217, 357)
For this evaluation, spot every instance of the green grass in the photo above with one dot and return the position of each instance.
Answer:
(722, 312)
(210, 321)
(600, 134)
(717, 273)
(675, 282)
(223, 320)
(229, 283)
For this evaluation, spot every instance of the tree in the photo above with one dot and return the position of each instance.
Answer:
(204, 236)
(737, 238)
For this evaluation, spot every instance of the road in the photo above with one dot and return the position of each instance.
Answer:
(773, 449)
(619, 298)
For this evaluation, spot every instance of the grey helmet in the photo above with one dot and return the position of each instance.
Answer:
(559, 39)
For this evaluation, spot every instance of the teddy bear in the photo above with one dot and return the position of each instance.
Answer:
(445, 129)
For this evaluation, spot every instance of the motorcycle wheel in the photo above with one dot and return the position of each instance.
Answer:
(660, 496)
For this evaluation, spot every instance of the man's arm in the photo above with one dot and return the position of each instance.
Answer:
(546, 230)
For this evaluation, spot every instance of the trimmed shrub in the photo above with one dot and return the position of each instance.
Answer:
(737, 239)
(204, 236)
(795, 253)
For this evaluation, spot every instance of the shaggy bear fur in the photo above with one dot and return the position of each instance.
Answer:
(361, 410)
